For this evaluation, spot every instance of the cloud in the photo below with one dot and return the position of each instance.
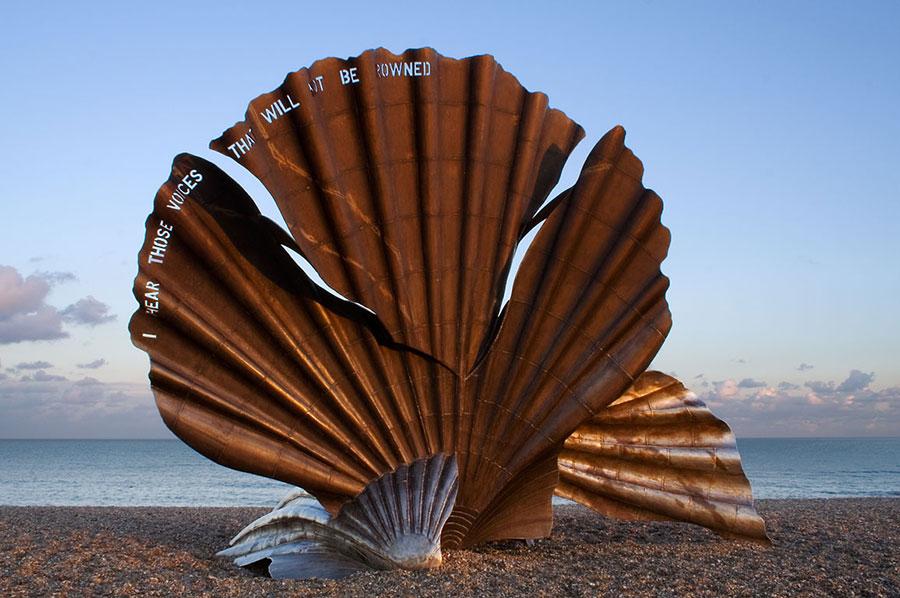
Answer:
(814, 399)
(42, 376)
(34, 365)
(766, 392)
(819, 408)
(820, 387)
(88, 311)
(20, 295)
(92, 365)
(41, 324)
(803, 367)
(856, 381)
(45, 406)
(725, 388)
(750, 383)
(25, 314)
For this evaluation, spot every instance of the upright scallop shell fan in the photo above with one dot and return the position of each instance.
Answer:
(409, 186)
(407, 182)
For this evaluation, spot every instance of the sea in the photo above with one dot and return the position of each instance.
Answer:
(169, 473)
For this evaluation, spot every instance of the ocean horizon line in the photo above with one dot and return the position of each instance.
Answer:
(168, 472)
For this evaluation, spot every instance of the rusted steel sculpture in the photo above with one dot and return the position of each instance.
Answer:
(407, 182)
(658, 452)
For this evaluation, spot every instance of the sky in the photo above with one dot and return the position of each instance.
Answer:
(771, 130)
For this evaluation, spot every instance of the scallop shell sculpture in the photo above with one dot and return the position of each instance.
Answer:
(658, 452)
(407, 182)
(395, 522)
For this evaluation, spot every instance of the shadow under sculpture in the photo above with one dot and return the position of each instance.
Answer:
(408, 195)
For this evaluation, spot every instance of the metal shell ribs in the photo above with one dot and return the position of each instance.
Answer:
(406, 182)
(659, 453)
(395, 522)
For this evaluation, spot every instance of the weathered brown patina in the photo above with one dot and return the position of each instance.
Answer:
(407, 182)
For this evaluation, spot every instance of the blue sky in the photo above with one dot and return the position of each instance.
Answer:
(771, 130)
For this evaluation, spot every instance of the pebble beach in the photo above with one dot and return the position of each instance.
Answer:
(838, 547)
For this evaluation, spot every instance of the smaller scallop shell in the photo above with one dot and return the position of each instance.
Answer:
(659, 453)
(395, 522)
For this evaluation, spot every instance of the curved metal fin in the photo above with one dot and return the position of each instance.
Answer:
(659, 453)
(586, 315)
(261, 370)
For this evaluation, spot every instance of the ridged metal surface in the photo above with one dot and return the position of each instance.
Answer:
(259, 369)
(586, 316)
(395, 522)
(659, 453)
(408, 196)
